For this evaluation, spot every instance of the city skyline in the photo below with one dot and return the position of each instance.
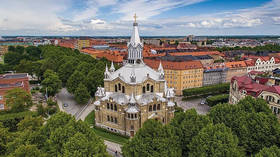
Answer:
(156, 18)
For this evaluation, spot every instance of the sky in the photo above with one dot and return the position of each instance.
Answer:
(155, 17)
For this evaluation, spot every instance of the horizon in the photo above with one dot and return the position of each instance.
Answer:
(155, 18)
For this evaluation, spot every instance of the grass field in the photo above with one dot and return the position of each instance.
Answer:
(104, 134)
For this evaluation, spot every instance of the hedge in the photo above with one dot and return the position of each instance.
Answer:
(212, 89)
(214, 100)
(12, 119)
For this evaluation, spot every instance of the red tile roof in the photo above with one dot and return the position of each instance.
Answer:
(174, 65)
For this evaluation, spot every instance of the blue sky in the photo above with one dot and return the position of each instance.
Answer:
(155, 17)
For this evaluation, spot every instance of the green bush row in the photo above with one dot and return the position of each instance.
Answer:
(212, 89)
(214, 100)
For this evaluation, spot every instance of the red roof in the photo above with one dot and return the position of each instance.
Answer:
(255, 72)
(274, 89)
(174, 65)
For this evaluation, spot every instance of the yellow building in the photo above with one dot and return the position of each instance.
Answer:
(180, 75)
(82, 43)
(133, 94)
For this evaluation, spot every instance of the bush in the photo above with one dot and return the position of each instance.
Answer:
(214, 100)
(212, 89)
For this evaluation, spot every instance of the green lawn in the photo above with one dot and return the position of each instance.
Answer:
(110, 136)
(104, 134)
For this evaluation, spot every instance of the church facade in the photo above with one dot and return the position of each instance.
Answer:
(133, 94)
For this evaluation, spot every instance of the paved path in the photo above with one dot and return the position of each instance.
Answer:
(194, 103)
(113, 147)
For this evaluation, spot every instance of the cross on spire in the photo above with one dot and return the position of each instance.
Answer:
(135, 17)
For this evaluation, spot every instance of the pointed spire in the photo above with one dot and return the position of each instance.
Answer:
(106, 69)
(160, 68)
(132, 99)
(112, 68)
(135, 34)
(106, 73)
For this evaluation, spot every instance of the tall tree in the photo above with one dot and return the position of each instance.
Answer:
(94, 79)
(51, 83)
(81, 94)
(215, 140)
(18, 99)
(153, 139)
(66, 70)
(273, 151)
(187, 125)
(75, 79)
(12, 58)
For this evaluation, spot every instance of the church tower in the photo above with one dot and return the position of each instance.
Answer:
(135, 46)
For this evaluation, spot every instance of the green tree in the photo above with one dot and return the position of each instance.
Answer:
(81, 94)
(66, 70)
(5, 137)
(75, 79)
(18, 99)
(250, 104)
(215, 140)
(94, 79)
(187, 125)
(12, 58)
(33, 52)
(26, 67)
(80, 146)
(28, 151)
(273, 151)
(153, 140)
(84, 67)
(51, 83)
(19, 49)
(11, 49)
(30, 123)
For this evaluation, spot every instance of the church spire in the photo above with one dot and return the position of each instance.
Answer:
(112, 68)
(135, 46)
(160, 69)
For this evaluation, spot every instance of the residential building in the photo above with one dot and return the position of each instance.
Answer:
(262, 63)
(243, 86)
(235, 68)
(180, 75)
(214, 74)
(82, 43)
(11, 81)
(133, 94)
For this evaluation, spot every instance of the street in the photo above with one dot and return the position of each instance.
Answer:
(194, 103)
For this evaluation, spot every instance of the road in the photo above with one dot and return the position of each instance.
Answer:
(194, 103)
(112, 148)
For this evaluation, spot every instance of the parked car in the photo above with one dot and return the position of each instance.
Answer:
(65, 105)
(203, 102)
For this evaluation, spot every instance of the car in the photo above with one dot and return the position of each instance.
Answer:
(65, 105)
(203, 102)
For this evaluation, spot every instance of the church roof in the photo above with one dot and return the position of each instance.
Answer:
(141, 71)
(132, 109)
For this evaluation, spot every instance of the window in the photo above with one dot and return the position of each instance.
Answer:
(108, 106)
(123, 89)
(143, 90)
(135, 115)
(154, 107)
(152, 89)
(115, 107)
(112, 120)
(132, 116)
(2, 107)
(1, 97)
(108, 118)
(148, 87)
(150, 108)
(116, 120)
(128, 115)
(158, 107)
(116, 88)
(132, 127)
(119, 86)
(112, 107)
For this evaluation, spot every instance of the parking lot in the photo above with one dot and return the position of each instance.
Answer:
(193, 103)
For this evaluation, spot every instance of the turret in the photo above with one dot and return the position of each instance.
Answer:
(106, 73)
(161, 71)
(112, 68)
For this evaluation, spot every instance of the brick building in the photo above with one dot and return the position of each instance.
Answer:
(11, 81)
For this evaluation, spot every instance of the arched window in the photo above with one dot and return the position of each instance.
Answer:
(112, 107)
(132, 127)
(112, 120)
(108, 118)
(132, 116)
(123, 89)
(152, 88)
(154, 107)
(116, 88)
(148, 87)
(143, 90)
(135, 115)
(150, 108)
(128, 115)
(116, 120)
(108, 106)
(119, 86)
(115, 107)
(158, 107)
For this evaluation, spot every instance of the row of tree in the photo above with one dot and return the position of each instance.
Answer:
(58, 67)
(246, 129)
